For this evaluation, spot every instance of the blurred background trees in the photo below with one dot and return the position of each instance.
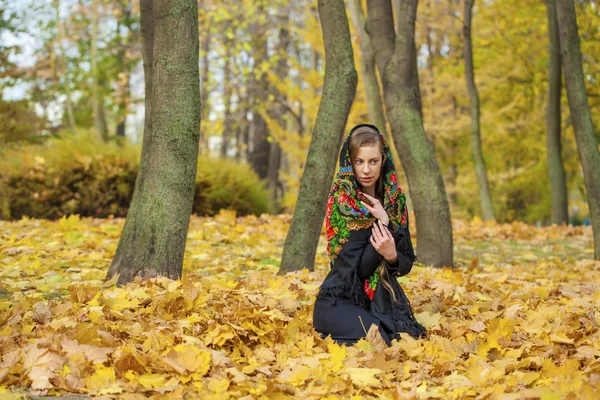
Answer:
(73, 67)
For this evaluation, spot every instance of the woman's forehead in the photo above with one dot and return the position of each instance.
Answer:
(368, 152)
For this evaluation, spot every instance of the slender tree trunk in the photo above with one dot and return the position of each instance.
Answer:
(227, 84)
(67, 84)
(154, 236)
(124, 71)
(278, 113)
(396, 5)
(338, 94)
(205, 87)
(395, 56)
(556, 169)
(374, 103)
(97, 101)
(587, 144)
(487, 209)
(258, 152)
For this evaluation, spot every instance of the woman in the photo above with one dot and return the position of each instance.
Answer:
(368, 244)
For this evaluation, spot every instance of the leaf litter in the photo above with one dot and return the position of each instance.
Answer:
(517, 318)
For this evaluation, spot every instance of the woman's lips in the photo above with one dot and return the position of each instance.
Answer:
(367, 179)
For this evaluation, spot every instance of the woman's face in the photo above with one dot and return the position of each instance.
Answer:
(367, 166)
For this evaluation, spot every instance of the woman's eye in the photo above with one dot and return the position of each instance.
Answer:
(359, 162)
(374, 162)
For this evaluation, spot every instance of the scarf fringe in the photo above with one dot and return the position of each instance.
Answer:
(402, 314)
(351, 288)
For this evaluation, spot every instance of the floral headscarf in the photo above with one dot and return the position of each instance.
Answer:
(345, 209)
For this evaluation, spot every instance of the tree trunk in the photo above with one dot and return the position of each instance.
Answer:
(205, 87)
(124, 72)
(556, 169)
(587, 144)
(69, 103)
(154, 236)
(97, 101)
(258, 151)
(338, 94)
(487, 209)
(277, 112)
(374, 104)
(395, 56)
(227, 85)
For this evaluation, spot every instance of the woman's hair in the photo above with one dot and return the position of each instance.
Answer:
(367, 136)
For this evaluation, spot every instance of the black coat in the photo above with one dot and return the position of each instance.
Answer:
(357, 261)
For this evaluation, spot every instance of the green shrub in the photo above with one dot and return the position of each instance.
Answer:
(80, 175)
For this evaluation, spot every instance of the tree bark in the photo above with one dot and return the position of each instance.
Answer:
(487, 209)
(97, 101)
(124, 71)
(259, 146)
(154, 235)
(587, 144)
(205, 87)
(374, 103)
(227, 85)
(395, 56)
(556, 169)
(69, 102)
(277, 111)
(338, 94)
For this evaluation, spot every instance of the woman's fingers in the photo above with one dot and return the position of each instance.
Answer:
(381, 229)
(374, 242)
(373, 199)
(387, 232)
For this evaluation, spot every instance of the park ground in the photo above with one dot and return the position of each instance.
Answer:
(516, 318)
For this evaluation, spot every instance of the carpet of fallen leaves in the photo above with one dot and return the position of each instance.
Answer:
(517, 318)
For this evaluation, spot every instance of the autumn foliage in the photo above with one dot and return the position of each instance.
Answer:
(519, 315)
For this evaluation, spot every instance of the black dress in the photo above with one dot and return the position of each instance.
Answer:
(343, 309)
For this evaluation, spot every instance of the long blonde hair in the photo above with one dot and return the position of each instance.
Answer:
(367, 136)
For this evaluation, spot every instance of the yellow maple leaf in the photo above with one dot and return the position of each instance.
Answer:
(429, 320)
(187, 358)
(499, 328)
(364, 376)
(150, 381)
(338, 354)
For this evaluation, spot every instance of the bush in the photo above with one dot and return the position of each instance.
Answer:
(80, 175)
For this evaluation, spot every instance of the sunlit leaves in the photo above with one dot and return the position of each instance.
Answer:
(518, 316)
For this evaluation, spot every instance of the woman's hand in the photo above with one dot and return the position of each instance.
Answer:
(383, 241)
(377, 210)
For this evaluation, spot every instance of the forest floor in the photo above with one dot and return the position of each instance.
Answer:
(516, 318)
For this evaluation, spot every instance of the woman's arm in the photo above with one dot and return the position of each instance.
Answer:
(369, 261)
(406, 254)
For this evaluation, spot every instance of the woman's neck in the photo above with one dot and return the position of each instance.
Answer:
(370, 191)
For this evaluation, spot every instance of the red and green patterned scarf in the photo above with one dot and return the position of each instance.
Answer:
(345, 209)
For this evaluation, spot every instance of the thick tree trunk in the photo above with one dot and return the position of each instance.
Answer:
(374, 103)
(556, 169)
(97, 101)
(487, 209)
(587, 144)
(338, 94)
(395, 56)
(154, 236)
